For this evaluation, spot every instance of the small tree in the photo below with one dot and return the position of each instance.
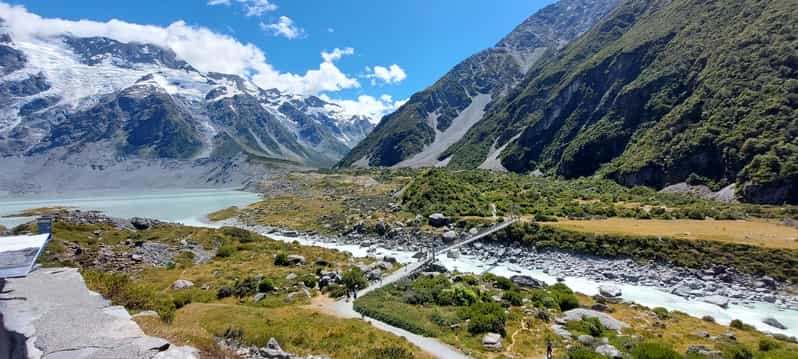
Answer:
(281, 259)
(354, 279)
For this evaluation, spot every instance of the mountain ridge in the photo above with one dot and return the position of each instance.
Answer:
(493, 71)
(659, 92)
(64, 94)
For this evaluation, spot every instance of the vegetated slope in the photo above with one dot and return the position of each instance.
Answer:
(104, 111)
(438, 116)
(659, 91)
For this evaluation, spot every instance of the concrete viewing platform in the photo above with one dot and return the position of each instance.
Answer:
(52, 314)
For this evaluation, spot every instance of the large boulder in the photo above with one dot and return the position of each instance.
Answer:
(606, 320)
(141, 223)
(774, 323)
(718, 300)
(609, 291)
(609, 351)
(527, 281)
(704, 351)
(439, 220)
(182, 284)
(296, 259)
(449, 236)
(492, 341)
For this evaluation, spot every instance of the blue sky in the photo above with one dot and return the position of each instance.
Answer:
(423, 38)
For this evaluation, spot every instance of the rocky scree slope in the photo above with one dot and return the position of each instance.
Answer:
(419, 132)
(93, 104)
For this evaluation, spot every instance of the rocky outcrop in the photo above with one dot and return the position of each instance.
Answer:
(492, 341)
(272, 350)
(439, 220)
(606, 320)
(527, 281)
(57, 314)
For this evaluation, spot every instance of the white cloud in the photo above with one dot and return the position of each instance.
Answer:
(204, 49)
(365, 105)
(251, 7)
(284, 27)
(336, 54)
(391, 74)
(329, 29)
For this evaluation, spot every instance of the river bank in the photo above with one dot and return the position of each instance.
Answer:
(695, 292)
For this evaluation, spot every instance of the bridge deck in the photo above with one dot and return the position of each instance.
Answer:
(416, 267)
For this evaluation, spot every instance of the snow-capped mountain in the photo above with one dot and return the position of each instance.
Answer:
(97, 103)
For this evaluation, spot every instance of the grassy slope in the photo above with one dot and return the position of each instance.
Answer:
(658, 91)
(527, 334)
(196, 315)
(298, 330)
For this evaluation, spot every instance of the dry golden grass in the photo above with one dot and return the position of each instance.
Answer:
(298, 330)
(753, 232)
(302, 214)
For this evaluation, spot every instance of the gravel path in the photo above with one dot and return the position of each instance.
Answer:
(345, 309)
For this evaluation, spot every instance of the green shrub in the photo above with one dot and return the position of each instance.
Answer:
(654, 350)
(767, 344)
(589, 326)
(737, 352)
(539, 217)
(309, 281)
(121, 290)
(486, 317)
(661, 313)
(504, 283)
(281, 259)
(738, 324)
(245, 287)
(354, 279)
(581, 353)
(708, 318)
(335, 290)
(225, 251)
(265, 285)
(224, 292)
(514, 297)
(388, 353)
(240, 234)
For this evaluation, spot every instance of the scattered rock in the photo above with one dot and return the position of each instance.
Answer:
(449, 236)
(601, 308)
(718, 300)
(296, 259)
(606, 320)
(143, 223)
(492, 341)
(774, 323)
(700, 334)
(384, 265)
(527, 281)
(182, 284)
(585, 339)
(704, 351)
(146, 313)
(609, 291)
(321, 263)
(439, 220)
(609, 351)
(290, 276)
(259, 297)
